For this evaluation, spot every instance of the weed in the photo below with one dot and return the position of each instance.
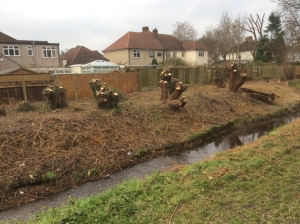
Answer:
(25, 107)
(49, 176)
(143, 152)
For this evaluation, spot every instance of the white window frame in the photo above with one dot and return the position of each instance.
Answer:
(174, 53)
(11, 50)
(201, 54)
(151, 54)
(30, 49)
(136, 53)
(49, 52)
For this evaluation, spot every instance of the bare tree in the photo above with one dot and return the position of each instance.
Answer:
(254, 26)
(290, 10)
(290, 14)
(209, 40)
(224, 34)
(184, 31)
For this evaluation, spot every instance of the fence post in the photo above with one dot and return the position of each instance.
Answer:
(24, 91)
(74, 88)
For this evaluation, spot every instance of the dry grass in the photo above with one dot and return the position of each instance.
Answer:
(82, 143)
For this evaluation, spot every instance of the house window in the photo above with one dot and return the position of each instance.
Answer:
(30, 51)
(168, 54)
(49, 52)
(182, 54)
(174, 54)
(158, 54)
(201, 53)
(151, 54)
(11, 51)
(136, 54)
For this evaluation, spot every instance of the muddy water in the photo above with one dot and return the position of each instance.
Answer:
(203, 151)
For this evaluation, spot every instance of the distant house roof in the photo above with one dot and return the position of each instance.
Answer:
(151, 40)
(6, 38)
(248, 45)
(81, 55)
(193, 45)
(10, 40)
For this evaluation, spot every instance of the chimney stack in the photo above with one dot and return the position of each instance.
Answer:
(155, 34)
(249, 39)
(145, 28)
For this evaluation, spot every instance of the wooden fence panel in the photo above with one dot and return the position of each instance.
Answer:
(77, 85)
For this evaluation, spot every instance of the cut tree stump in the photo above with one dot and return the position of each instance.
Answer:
(164, 91)
(177, 104)
(232, 77)
(260, 95)
(219, 83)
(240, 83)
(179, 89)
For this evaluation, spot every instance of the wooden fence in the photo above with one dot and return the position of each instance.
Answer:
(24, 86)
(77, 85)
(30, 86)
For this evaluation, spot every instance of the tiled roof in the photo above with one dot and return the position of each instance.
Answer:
(81, 55)
(6, 38)
(146, 40)
(247, 46)
(10, 40)
(193, 45)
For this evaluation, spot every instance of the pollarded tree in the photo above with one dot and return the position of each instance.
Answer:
(184, 31)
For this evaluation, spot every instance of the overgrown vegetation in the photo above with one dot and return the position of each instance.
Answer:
(256, 183)
(25, 107)
(90, 143)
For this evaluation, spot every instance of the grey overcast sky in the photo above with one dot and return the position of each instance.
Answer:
(97, 24)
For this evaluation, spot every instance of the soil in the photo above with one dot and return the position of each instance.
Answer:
(43, 152)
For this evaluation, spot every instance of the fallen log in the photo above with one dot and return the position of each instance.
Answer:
(259, 95)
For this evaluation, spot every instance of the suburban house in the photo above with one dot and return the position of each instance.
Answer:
(27, 53)
(243, 51)
(80, 55)
(139, 49)
(293, 52)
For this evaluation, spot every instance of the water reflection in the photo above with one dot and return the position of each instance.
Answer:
(236, 138)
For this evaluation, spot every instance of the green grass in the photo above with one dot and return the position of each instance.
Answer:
(255, 183)
(295, 84)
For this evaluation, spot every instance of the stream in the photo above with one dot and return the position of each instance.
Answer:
(205, 150)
